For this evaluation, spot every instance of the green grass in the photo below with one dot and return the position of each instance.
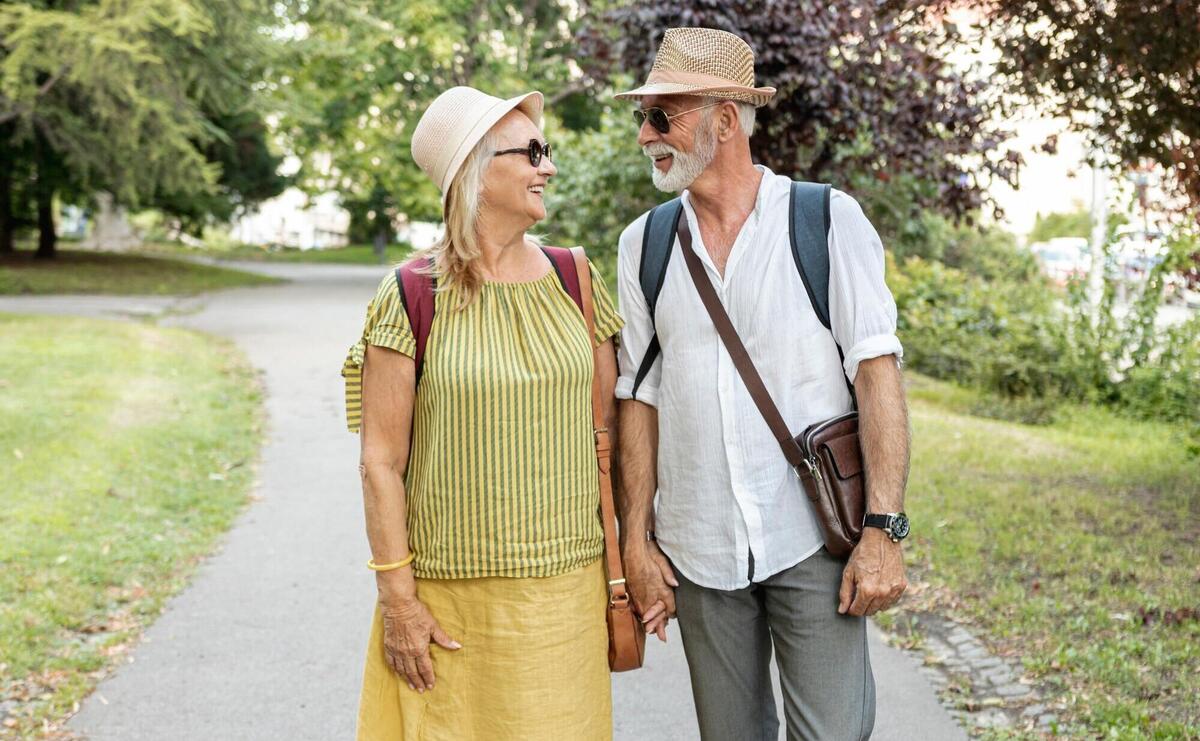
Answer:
(1074, 545)
(355, 254)
(126, 451)
(74, 271)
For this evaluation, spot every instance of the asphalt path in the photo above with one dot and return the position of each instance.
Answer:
(268, 640)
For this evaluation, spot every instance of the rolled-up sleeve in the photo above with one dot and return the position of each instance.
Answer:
(639, 327)
(862, 311)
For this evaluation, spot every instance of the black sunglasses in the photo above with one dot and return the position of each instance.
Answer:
(534, 152)
(660, 119)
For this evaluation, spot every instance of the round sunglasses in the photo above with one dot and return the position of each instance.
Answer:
(660, 119)
(535, 151)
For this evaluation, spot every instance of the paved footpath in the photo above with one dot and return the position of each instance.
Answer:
(268, 641)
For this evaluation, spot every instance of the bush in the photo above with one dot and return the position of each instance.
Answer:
(992, 323)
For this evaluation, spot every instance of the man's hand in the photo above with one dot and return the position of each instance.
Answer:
(874, 577)
(651, 583)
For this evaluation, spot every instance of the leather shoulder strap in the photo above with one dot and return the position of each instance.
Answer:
(417, 288)
(737, 351)
(608, 511)
(564, 265)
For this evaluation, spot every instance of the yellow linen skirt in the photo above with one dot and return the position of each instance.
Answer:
(533, 664)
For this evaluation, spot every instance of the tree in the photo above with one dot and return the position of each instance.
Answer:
(124, 95)
(864, 93)
(360, 76)
(249, 173)
(1124, 72)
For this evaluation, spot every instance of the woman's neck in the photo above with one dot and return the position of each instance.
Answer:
(503, 249)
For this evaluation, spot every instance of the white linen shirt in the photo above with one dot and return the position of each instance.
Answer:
(724, 487)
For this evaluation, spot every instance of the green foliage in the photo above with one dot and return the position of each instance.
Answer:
(984, 318)
(151, 100)
(603, 184)
(360, 76)
(1052, 225)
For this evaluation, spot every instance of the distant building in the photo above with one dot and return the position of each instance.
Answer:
(294, 219)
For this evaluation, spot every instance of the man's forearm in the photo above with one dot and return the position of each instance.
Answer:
(637, 478)
(883, 427)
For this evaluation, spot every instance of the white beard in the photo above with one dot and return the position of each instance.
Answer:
(685, 166)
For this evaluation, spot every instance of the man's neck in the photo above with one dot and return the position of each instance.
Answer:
(725, 193)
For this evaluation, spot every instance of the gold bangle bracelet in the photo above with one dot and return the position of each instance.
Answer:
(390, 566)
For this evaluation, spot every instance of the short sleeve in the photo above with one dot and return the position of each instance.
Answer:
(386, 325)
(862, 311)
(607, 321)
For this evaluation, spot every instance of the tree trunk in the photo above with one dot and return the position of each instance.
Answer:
(379, 244)
(44, 193)
(47, 238)
(7, 228)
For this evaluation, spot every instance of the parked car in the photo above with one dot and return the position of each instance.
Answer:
(1063, 259)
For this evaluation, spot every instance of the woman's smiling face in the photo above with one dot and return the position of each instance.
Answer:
(511, 184)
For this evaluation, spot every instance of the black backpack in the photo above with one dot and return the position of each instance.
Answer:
(808, 228)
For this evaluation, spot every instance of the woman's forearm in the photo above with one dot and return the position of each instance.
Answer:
(384, 502)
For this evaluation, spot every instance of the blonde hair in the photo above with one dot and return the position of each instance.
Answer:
(454, 257)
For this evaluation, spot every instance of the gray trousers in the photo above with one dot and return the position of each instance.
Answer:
(825, 672)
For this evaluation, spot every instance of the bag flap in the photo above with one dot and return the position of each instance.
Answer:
(846, 456)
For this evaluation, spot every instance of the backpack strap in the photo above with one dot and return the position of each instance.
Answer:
(808, 228)
(658, 242)
(417, 287)
(564, 265)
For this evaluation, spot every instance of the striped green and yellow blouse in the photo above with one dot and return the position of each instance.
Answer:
(502, 475)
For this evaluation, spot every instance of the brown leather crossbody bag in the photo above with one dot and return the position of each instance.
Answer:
(827, 456)
(626, 639)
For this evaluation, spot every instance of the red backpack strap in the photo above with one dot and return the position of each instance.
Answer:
(416, 293)
(564, 264)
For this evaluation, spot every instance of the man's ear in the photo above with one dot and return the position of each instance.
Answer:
(727, 121)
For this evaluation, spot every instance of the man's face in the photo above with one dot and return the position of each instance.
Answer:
(688, 147)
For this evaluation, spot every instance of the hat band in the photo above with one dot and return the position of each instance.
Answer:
(698, 79)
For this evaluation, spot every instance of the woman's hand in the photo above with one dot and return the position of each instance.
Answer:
(408, 628)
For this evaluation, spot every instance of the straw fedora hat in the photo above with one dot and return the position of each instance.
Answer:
(703, 61)
(455, 122)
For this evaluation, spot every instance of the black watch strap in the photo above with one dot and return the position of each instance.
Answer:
(895, 524)
(880, 521)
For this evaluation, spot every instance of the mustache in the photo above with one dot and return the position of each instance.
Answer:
(658, 149)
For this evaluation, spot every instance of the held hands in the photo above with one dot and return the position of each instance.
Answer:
(408, 628)
(651, 583)
(874, 578)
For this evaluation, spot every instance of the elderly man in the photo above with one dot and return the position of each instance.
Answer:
(733, 546)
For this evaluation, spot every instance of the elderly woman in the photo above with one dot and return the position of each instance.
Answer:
(478, 470)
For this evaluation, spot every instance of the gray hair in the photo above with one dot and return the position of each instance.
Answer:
(747, 113)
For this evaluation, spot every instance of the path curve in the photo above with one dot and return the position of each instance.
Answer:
(268, 641)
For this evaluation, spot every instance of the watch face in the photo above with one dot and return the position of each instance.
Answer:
(900, 526)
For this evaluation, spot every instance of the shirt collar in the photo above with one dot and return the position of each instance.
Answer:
(768, 179)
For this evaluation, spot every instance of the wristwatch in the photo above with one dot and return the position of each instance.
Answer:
(895, 524)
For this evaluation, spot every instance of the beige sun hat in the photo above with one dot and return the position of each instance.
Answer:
(455, 122)
(703, 61)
